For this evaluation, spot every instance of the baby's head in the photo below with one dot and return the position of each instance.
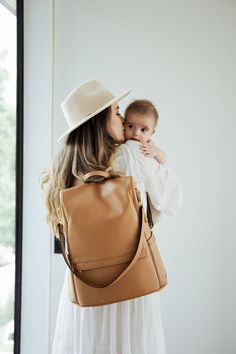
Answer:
(140, 120)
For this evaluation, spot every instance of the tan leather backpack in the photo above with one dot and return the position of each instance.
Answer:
(111, 250)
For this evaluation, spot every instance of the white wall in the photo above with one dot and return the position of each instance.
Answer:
(182, 56)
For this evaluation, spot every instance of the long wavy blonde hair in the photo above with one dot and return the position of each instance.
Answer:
(86, 149)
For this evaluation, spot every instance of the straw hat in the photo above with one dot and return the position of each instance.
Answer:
(85, 101)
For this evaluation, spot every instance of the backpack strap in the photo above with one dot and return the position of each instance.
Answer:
(149, 212)
(144, 234)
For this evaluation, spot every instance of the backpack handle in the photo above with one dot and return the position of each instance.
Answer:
(96, 173)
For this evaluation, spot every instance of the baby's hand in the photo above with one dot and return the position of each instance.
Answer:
(149, 150)
(153, 151)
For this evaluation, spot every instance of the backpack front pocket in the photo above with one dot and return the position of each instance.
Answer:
(100, 272)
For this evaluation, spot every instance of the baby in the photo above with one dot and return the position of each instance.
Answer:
(140, 122)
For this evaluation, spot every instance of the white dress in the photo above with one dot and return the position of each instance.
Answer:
(133, 326)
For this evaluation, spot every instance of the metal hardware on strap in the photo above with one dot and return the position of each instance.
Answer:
(138, 194)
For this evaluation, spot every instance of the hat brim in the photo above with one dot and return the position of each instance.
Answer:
(115, 99)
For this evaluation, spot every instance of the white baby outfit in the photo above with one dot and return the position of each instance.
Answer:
(133, 326)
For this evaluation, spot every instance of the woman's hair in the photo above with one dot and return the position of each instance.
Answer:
(87, 148)
(142, 107)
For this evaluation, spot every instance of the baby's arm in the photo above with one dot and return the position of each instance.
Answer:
(150, 150)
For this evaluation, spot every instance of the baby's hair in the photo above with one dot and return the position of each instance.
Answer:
(142, 107)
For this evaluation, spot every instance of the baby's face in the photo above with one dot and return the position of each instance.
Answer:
(139, 127)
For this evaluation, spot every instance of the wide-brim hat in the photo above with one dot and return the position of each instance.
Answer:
(85, 101)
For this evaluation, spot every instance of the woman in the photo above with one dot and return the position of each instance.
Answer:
(95, 132)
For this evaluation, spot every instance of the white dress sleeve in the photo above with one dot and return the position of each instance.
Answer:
(159, 181)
